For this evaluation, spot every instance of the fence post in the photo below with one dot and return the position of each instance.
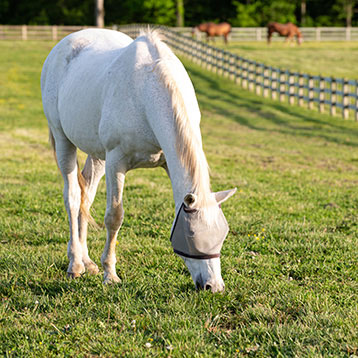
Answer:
(348, 33)
(257, 74)
(190, 50)
(291, 88)
(199, 54)
(282, 86)
(231, 67)
(24, 32)
(209, 58)
(216, 60)
(258, 34)
(226, 72)
(251, 75)
(273, 83)
(193, 53)
(310, 92)
(219, 63)
(318, 34)
(238, 70)
(321, 94)
(345, 111)
(245, 74)
(300, 90)
(54, 33)
(333, 97)
(265, 81)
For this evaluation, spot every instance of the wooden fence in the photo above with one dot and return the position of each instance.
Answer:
(25, 32)
(55, 33)
(244, 34)
(335, 96)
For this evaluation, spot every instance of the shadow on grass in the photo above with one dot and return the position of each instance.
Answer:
(269, 116)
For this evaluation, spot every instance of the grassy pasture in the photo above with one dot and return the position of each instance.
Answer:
(335, 59)
(289, 262)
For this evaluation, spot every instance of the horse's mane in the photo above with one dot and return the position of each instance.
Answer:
(188, 146)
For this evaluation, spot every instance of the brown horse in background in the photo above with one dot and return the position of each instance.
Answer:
(289, 30)
(213, 30)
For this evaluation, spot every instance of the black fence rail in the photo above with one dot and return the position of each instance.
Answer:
(336, 96)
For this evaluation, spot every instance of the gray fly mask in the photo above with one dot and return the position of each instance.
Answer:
(192, 238)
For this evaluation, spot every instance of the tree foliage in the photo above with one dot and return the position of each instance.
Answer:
(237, 12)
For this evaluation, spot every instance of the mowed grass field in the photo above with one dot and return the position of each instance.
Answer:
(334, 59)
(289, 261)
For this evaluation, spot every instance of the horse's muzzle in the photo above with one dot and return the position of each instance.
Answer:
(209, 286)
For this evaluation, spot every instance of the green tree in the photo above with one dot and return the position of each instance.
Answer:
(345, 10)
(162, 12)
(281, 11)
(259, 13)
(247, 14)
(180, 13)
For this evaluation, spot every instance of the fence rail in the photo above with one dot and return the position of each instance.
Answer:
(336, 96)
(25, 32)
(55, 33)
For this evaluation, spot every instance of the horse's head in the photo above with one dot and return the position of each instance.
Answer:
(199, 242)
(299, 38)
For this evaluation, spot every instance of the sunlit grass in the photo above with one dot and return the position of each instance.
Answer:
(335, 59)
(289, 262)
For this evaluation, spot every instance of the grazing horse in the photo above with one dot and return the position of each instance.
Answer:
(130, 104)
(213, 30)
(288, 30)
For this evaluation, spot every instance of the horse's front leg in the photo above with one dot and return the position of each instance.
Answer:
(115, 175)
(92, 173)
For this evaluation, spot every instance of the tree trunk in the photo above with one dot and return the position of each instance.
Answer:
(99, 13)
(349, 12)
(303, 12)
(180, 13)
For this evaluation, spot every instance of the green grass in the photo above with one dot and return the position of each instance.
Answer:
(289, 262)
(335, 59)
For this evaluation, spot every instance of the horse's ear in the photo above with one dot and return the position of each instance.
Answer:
(190, 200)
(222, 196)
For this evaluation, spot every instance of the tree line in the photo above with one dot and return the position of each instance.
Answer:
(243, 13)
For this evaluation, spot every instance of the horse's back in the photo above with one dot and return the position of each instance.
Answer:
(89, 40)
(225, 27)
(73, 77)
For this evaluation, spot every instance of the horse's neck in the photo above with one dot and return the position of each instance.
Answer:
(160, 116)
(168, 94)
(180, 180)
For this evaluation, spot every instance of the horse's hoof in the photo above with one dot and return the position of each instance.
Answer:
(72, 275)
(92, 268)
(110, 279)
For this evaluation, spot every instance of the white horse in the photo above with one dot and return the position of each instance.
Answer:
(127, 104)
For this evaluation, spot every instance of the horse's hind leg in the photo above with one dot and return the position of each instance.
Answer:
(92, 173)
(115, 175)
(67, 162)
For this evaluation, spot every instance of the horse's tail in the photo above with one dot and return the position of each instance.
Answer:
(51, 139)
(84, 207)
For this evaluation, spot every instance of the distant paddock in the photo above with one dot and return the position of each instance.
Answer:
(55, 33)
